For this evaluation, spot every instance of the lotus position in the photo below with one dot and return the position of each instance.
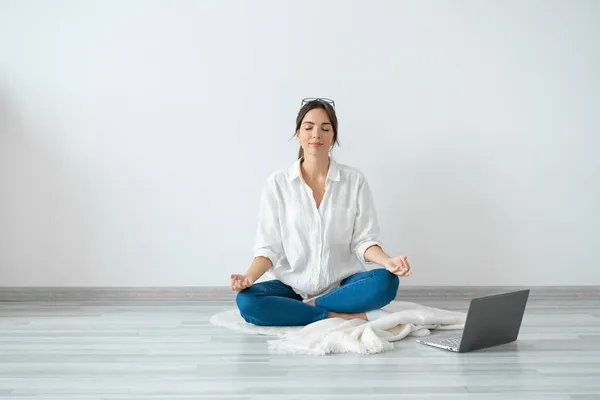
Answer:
(317, 230)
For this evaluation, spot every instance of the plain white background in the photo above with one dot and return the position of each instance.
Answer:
(135, 135)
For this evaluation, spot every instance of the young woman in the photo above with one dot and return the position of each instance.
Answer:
(317, 226)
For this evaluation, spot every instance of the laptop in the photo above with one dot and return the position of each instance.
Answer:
(491, 321)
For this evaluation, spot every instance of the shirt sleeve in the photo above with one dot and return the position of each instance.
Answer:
(366, 231)
(268, 241)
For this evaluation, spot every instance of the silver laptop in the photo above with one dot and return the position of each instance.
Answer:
(491, 321)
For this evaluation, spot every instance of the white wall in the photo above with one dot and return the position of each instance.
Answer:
(135, 135)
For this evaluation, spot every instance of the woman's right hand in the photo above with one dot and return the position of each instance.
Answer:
(240, 282)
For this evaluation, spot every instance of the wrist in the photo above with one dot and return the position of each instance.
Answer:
(375, 254)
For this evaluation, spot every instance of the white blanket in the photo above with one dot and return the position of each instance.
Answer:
(337, 335)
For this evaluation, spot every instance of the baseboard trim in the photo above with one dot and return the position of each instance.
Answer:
(222, 293)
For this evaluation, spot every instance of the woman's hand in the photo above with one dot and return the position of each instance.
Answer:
(240, 282)
(398, 266)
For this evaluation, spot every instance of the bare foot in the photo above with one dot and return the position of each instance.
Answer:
(348, 316)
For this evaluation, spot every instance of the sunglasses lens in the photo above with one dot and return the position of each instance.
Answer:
(309, 99)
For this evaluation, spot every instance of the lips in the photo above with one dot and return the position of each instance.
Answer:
(316, 144)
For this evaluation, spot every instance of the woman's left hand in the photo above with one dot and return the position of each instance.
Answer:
(398, 266)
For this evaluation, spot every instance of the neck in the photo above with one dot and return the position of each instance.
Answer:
(315, 168)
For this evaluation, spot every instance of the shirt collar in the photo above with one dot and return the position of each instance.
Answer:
(333, 173)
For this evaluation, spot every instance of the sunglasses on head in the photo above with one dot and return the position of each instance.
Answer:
(323, 100)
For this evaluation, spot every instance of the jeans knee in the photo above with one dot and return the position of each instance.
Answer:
(249, 305)
(389, 283)
(245, 302)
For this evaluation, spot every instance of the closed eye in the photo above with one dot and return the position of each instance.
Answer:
(309, 124)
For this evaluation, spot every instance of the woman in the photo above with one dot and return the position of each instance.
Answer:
(317, 226)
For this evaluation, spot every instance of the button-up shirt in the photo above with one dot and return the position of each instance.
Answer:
(312, 249)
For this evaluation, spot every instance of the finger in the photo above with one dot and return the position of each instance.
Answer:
(400, 263)
(404, 262)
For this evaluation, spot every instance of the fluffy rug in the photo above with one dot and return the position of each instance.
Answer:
(396, 321)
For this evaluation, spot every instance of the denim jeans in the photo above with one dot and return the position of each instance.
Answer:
(273, 303)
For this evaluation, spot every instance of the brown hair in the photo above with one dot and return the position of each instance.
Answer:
(311, 105)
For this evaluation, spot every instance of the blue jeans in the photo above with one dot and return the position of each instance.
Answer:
(273, 303)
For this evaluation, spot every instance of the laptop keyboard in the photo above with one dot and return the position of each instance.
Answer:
(450, 342)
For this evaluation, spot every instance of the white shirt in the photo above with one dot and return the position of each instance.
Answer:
(312, 249)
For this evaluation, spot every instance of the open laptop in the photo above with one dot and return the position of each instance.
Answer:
(491, 321)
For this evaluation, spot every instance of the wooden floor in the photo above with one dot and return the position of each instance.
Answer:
(133, 349)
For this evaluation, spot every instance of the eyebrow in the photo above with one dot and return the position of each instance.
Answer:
(312, 123)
